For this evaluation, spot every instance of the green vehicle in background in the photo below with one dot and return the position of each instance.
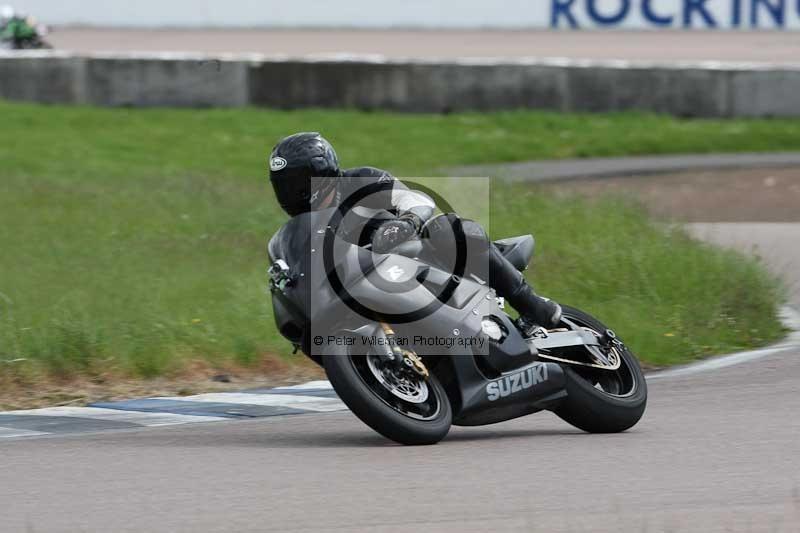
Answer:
(18, 32)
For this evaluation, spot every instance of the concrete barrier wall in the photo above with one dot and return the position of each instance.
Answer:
(51, 80)
(184, 80)
(168, 82)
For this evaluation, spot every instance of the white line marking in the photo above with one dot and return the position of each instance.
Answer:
(790, 319)
(308, 403)
(116, 415)
(11, 432)
(716, 364)
(323, 384)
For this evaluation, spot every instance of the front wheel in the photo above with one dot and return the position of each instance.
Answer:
(603, 401)
(403, 407)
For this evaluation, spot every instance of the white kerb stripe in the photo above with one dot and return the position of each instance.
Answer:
(322, 384)
(11, 432)
(716, 363)
(308, 403)
(115, 415)
(789, 318)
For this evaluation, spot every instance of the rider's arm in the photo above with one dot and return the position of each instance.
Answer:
(397, 197)
(408, 202)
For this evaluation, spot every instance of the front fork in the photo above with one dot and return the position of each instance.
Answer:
(388, 350)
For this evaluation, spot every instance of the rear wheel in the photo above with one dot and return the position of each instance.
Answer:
(598, 400)
(400, 405)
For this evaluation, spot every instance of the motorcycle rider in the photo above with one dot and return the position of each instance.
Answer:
(14, 26)
(302, 156)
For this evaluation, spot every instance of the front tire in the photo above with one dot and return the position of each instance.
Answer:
(353, 378)
(595, 408)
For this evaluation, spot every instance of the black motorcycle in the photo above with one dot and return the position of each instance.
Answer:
(412, 347)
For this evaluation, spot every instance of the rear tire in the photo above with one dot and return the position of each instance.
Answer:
(595, 410)
(374, 411)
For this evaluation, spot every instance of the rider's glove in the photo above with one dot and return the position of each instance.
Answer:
(395, 232)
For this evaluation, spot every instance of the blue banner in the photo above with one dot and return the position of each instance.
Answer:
(675, 14)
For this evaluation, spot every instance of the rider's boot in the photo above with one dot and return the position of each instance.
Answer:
(535, 311)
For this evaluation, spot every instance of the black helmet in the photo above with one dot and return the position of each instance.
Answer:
(292, 164)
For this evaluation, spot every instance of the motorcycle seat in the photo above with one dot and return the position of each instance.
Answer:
(518, 250)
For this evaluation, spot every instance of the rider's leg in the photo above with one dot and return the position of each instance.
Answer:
(509, 283)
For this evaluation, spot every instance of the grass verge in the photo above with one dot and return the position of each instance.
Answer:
(133, 240)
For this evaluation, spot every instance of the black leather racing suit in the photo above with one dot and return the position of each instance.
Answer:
(507, 281)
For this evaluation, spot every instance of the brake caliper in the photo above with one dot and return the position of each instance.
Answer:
(415, 362)
(404, 357)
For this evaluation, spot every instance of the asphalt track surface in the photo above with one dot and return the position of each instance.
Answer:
(716, 451)
(661, 46)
